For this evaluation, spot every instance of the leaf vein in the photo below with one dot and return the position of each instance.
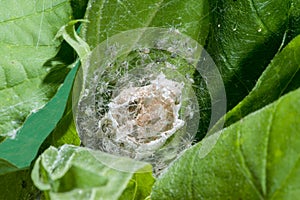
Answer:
(248, 175)
(253, 8)
(33, 14)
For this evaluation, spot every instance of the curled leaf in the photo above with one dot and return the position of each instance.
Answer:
(79, 173)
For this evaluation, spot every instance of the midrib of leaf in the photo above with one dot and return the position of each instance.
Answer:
(246, 170)
(258, 17)
(199, 35)
(292, 77)
(150, 20)
(26, 45)
(285, 182)
(192, 174)
(98, 19)
(40, 25)
(154, 14)
(268, 135)
(34, 14)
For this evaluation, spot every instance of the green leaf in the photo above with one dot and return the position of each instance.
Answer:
(245, 36)
(281, 76)
(80, 173)
(65, 131)
(21, 151)
(255, 158)
(18, 185)
(108, 18)
(27, 42)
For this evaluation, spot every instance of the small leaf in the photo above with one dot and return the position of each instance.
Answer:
(69, 34)
(63, 175)
(255, 158)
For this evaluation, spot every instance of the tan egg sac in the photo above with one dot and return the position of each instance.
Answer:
(145, 112)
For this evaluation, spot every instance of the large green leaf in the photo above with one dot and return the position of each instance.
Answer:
(18, 153)
(80, 173)
(27, 42)
(107, 18)
(281, 76)
(245, 36)
(255, 158)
